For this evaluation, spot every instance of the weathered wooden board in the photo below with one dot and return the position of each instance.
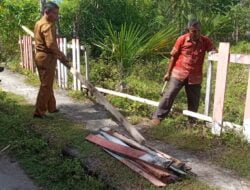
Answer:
(246, 124)
(102, 100)
(220, 87)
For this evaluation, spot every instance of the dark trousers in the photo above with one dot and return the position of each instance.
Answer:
(174, 86)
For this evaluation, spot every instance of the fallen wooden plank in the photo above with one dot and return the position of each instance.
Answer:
(102, 100)
(176, 163)
(128, 151)
(162, 175)
(138, 169)
(131, 152)
(157, 172)
(156, 159)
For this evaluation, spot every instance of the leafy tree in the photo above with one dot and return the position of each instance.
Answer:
(13, 14)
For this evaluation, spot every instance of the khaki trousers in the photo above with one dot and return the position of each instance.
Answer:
(46, 65)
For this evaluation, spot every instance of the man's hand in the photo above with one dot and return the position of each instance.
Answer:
(213, 52)
(167, 77)
(66, 64)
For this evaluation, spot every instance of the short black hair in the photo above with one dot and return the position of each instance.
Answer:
(194, 23)
(49, 6)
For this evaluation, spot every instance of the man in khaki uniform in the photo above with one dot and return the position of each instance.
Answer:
(47, 52)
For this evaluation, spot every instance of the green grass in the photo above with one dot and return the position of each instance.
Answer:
(31, 78)
(145, 80)
(229, 151)
(38, 149)
(37, 145)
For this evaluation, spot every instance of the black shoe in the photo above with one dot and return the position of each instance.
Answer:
(56, 111)
(40, 116)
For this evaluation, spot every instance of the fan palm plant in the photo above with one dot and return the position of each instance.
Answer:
(213, 24)
(132, 43)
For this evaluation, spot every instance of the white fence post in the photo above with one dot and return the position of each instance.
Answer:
(78, 62)
(65, 68)
(62, 66)
(246, 124)
(208, 88)
(59, 67)
(74, 62)
(220, 87)
(86, 63)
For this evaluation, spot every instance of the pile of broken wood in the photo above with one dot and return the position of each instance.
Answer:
(157, 167)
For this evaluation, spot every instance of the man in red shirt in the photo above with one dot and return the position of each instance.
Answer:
(185, 69)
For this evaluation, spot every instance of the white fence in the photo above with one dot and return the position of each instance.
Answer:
(223, 57)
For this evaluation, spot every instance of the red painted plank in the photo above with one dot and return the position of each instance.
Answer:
(137, 168)
(157, 172)
(128, 151)
(160, 174)
(220, 87)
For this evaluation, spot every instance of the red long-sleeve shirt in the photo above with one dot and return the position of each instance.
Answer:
(189, 56)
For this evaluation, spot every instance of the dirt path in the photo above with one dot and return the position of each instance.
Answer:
(95, 117)
(12, 177)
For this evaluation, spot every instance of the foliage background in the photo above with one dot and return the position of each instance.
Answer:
(129, 40)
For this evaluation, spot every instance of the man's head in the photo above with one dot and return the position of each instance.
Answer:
(51, 11)
(194, 29)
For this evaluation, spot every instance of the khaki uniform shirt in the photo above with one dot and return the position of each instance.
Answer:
(45, 39)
